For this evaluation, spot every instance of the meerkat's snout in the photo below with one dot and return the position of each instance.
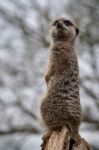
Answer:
(59, 25)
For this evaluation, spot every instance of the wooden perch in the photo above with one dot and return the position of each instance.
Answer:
(60, 140)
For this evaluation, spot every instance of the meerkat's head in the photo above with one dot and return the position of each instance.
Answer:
(64, 29)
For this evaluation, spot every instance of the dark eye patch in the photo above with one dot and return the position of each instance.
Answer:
(55, 22)
(68, 23)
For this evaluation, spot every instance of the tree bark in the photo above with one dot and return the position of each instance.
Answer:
(60, 140)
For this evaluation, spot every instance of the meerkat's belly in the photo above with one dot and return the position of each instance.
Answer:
(62, 104)
(56, 114)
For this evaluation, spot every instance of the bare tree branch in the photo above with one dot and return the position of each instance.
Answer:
(25, 110)
(14, 130)
(90, 92)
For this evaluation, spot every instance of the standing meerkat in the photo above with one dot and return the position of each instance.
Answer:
(61, 105)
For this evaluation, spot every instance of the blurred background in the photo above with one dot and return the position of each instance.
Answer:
(24, 47)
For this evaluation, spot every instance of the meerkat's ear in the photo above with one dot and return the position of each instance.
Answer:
(77, 31)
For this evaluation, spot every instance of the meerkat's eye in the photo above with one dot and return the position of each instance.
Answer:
(68, 23)
(55, 22)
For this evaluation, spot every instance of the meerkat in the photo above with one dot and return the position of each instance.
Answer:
(61, 105)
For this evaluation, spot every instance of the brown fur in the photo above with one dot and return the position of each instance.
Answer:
(61, 104)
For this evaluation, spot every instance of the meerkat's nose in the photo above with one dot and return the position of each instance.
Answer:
(59, 24)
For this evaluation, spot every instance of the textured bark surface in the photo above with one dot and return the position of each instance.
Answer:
(59, 140)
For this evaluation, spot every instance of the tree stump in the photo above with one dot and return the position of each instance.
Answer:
(60, 140)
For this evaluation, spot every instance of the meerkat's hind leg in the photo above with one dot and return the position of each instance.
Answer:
(45, 139)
